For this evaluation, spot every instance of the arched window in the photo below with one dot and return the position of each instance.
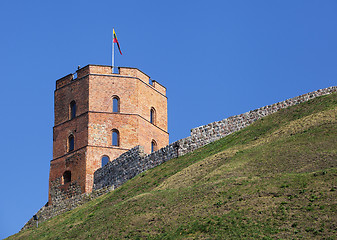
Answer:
(115, 104)
(153, 146)
(71, 143)
(66, 177)
(115, 137)
(153, 116)
(72, 112)
(105, 160)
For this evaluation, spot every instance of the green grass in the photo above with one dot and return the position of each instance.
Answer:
(276, 179)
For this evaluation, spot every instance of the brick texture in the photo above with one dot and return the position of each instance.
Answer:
(93, 91)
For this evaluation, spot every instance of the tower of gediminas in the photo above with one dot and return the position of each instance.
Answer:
(98, 116)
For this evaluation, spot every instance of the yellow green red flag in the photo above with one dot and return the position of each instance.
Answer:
(116, 41)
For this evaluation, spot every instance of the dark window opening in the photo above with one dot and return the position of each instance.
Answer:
(72, 109)
(115, 137)
(153, 146)
(105, 160)
(153, 116)
(66, 177)
(71, 143)
(115, 104)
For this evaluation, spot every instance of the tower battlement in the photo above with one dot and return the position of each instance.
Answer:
(107, 70)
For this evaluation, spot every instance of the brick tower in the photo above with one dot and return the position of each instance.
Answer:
(98, 116)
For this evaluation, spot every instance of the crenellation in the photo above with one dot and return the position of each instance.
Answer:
(64, 81)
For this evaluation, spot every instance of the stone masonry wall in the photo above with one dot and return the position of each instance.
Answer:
(216, 130)
(130, 164)
(135, 161)
(60, 192)
(47, 212)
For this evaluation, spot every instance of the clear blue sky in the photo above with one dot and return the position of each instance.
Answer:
(216, 58)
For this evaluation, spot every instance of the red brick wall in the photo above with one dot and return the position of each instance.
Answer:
(78, 127)
(159, 87)
(77, 91)
(103, 88)
(101, 125)
(134, 72)
(149, 132)
(148, 98)
(93, 90)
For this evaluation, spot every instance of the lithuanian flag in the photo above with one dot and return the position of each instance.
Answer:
(116, 41)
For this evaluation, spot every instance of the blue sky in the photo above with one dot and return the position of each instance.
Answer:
(216, 58)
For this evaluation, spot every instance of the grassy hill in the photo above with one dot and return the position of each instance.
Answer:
(276, 179)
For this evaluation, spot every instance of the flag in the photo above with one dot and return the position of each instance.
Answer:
(116, 41)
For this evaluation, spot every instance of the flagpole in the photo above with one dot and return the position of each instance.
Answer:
(113, 54)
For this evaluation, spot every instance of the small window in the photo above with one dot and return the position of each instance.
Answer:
(115, 104)
(66, 177)
(115, 137)
(153, 116)
(105, 160)
(72, 109)
(153, 146)
(71, 143)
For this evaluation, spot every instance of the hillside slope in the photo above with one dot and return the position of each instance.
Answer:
(274, 179)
